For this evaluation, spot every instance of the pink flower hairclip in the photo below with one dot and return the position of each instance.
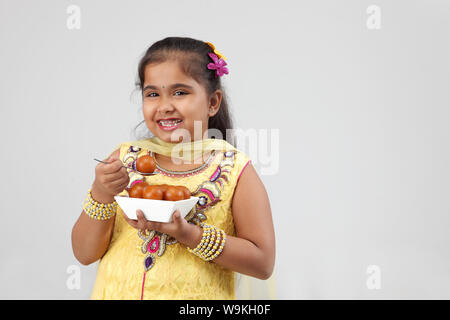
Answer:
(218, 65)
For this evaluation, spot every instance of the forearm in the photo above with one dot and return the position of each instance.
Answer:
(238, 254)
(90, 237)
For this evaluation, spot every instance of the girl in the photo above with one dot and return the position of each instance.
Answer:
(232, 224)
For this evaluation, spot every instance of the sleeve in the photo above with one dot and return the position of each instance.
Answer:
(238, 161)
(242, 161)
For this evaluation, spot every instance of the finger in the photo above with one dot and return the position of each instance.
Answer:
(176, 216)
(131, 222)
(141, 221)
(154, 225)
(111, 177)
(123, 181)
(113, 166)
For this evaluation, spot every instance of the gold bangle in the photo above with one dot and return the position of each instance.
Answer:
(220, 249)
(211, 244)
(208, 256)
(206, 246)
(97, 210)
(204, 241)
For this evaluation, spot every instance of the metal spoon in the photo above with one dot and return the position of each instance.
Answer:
(141, 173)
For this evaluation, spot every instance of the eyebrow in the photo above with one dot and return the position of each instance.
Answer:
(175, 85)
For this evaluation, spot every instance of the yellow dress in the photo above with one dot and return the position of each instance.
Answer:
(176, 273)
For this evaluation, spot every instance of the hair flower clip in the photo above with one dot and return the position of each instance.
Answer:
(218, 54)
(218, 65)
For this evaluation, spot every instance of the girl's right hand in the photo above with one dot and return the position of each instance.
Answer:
(110, 179)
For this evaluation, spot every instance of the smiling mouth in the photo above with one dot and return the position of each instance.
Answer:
(169, 124)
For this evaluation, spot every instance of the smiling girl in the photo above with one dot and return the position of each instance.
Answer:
(229, 230)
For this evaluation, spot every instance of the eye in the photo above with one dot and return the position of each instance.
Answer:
(152, 94)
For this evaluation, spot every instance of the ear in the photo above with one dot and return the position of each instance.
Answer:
(214, 103)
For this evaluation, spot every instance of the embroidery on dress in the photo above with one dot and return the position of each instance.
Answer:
(155, 241)
(208, 192)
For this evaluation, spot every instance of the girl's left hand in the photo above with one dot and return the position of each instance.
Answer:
(178, 228)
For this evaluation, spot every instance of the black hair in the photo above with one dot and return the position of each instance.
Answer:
(192, 56)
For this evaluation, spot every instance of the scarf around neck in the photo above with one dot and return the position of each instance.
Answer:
(186, 151)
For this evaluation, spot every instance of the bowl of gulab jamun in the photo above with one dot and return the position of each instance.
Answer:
(157, 202)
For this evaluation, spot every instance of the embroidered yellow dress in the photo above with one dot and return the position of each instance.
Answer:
(174, 273)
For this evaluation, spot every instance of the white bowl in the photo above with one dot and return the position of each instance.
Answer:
(155, 210)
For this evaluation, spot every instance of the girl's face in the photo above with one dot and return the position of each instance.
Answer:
(169, 93)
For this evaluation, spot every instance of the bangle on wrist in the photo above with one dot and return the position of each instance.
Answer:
(97, 210)
(211, 244)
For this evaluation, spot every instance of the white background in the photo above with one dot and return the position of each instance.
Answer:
(362, 114)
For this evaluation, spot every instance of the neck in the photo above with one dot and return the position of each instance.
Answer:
(160, 158)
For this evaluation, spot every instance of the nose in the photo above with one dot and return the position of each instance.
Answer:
(165, 106)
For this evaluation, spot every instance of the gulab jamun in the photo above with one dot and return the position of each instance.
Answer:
(136, 191)
(153, 192)
(163, 187)
(187, 193)
(173, 193)
(145, 164)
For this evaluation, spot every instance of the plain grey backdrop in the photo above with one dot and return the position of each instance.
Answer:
(362, 113)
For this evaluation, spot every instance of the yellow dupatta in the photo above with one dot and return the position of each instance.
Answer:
(186, 151)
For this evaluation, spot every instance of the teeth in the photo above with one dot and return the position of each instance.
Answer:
(170, 122)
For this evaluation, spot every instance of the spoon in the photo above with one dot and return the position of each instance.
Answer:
(141, 173)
